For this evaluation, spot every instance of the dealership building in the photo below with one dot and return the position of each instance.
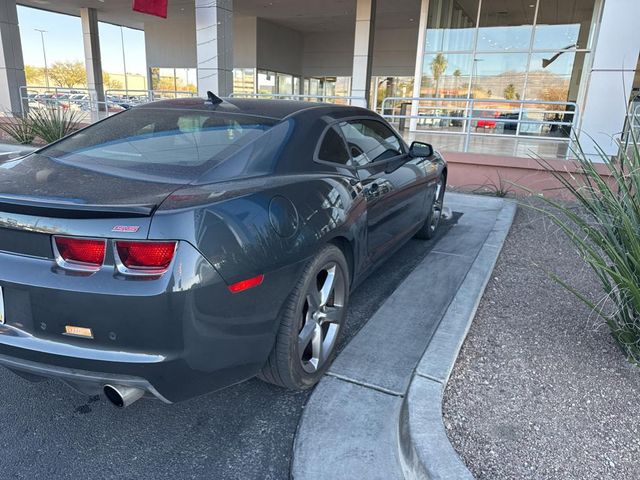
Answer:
(483, 76)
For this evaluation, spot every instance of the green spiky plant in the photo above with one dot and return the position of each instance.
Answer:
(605, 229)
(19, 129)
(51, 124)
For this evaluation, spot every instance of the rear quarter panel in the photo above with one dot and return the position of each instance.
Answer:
(265, 225)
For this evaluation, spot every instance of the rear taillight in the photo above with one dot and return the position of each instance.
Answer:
(144, 258)
(82, 254)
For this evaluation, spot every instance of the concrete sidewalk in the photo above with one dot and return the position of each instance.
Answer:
(377, 413)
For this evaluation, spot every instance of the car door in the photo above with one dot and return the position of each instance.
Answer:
(394, 184)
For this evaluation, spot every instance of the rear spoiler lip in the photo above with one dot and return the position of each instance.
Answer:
(61, 209)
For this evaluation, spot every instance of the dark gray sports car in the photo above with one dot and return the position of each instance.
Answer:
(186, 245)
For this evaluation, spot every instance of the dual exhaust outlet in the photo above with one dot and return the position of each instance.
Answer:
(122, 396)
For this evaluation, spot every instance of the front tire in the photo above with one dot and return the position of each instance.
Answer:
(312, 322)
(430, 227)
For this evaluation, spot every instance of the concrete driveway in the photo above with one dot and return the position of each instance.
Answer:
(244, 432)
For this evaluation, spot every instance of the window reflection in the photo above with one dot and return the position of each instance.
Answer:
(555, 77)
(563, 24)
(451, 25)
(499, 75)
(446, 75)
(506, 25)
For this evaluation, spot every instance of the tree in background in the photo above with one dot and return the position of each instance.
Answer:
(68, 74)
(438, 67)
(456, 79)
(34, 75)
(510, 92)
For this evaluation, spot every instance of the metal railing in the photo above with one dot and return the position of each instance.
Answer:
(145, 96)
(338, 99)
(85, 103)
(538, 120)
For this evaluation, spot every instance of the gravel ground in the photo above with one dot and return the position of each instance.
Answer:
(540, 389)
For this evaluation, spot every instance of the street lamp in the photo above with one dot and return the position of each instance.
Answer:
(44, 54)
(124, 63)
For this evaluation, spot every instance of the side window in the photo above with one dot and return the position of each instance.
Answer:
(332, 148)
(370, 141)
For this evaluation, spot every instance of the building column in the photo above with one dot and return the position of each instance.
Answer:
(92, 58)
(611, 76)
(363, 51)
(214, 44)
(417, 76)
(11, 62)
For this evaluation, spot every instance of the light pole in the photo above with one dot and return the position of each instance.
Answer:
(124, 63)
(44, 54)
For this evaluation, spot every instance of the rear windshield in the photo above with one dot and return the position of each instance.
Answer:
(173, 144)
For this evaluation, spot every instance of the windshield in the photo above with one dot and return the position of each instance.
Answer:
(175, 144)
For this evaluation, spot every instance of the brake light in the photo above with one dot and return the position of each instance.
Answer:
(79, 253)
(246, 284)
(145, 258)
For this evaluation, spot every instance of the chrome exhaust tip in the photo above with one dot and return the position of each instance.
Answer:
(122, 396)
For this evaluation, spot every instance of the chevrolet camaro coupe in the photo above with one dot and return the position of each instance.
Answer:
(186, 245)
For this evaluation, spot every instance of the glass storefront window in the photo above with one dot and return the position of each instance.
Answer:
(555, 77)
(506, 25)
(266, 82)
(446, 75)
(173, 82)
(499, 75)
(563, 24)
(451, 25)
(244, 80)
(285, 83)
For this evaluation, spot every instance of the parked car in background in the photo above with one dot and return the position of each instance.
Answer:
(183, 246)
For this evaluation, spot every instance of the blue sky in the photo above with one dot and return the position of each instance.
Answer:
(63, 41)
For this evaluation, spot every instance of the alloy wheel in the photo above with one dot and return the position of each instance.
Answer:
(322, 315)
(436, 209)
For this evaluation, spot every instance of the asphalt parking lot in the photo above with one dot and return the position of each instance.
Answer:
(243, 432)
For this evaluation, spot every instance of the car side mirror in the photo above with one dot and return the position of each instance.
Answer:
(420, 149)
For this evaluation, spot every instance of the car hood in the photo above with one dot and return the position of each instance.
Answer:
(35, 183)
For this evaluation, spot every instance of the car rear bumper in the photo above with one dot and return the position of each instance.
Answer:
(176, 337)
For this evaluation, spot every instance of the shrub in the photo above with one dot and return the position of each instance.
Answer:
(605, 229)
(51, 124)
(20, 129)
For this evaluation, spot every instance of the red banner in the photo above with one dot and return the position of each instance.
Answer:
(151, 7)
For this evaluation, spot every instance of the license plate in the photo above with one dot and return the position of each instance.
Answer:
(1, 306)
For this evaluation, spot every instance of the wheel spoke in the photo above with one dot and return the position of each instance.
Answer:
(305, 336)
(316, 345)
(313, 298)
(332, 314)
(327, 286)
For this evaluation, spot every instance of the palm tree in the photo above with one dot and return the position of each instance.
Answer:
(438, 67)
(456, 79)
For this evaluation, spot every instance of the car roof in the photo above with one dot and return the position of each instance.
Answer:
(270, 108)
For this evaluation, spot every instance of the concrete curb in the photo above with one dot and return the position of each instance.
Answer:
(425, 450)
(377, 413)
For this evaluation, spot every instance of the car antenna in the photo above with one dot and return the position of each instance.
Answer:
(213, 98)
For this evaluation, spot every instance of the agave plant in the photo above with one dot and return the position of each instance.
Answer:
(605, 229)
(51, 124)
(20, 129)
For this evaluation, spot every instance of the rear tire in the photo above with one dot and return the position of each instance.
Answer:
(430, 227)
(312, 322)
